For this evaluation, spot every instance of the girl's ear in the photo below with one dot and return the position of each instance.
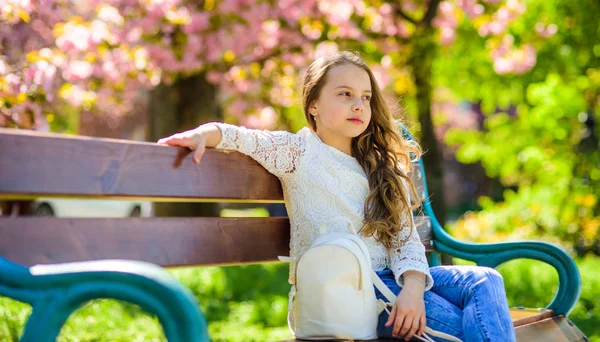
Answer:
(312, 109)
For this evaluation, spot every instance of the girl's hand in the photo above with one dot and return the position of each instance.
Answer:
(408, 313)
(195, 139)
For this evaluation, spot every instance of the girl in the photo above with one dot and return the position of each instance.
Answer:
(352, 162)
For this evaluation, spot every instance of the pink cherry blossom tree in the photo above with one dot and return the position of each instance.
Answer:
(239, 60)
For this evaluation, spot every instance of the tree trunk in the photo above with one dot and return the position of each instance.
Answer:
(187, 103)
(16, 208)
(424, 50)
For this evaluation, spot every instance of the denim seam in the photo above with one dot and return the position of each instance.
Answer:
(450, 328)
(479, 318)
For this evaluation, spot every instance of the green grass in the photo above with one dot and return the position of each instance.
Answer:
(249, 303)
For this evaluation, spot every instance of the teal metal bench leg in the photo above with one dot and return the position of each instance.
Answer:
(55, 291)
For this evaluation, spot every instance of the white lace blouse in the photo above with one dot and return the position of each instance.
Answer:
(319, 184)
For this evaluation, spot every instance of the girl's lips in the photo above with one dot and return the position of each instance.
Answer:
(358, 121)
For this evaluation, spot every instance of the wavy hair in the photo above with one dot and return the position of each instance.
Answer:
(383, 153)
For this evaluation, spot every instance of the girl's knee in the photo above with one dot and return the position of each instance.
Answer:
(478, 274)
(486, 280)
(493, 275)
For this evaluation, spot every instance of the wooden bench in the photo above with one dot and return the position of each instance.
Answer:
(78, 259)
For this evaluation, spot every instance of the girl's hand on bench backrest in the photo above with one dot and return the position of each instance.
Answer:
(197, 139)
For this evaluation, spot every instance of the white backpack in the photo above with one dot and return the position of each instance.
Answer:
(333, 297)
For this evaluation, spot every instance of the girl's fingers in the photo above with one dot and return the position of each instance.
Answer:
(413, 329)
(399, 328)
(422, 325)
(403, 323)
(199, 153)
(186, 139)
(392, 316)
(172, 140)
(167, 139)
(177, 141)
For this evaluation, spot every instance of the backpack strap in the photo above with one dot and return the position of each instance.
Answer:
(290, 315)
(391, 297)
(385, 291)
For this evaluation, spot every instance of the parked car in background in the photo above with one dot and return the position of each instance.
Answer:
(67, 207)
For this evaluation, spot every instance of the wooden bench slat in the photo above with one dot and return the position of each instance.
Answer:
(75, 166)
(167, 242)
(555, 329)
(34, 164)
(522, 316)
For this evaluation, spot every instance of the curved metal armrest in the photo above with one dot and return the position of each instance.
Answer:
(495, 254)
(492, 255)
(55, 291)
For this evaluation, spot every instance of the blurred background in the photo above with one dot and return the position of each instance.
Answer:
(503, 95)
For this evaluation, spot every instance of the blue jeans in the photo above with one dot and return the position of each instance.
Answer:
(467, 302)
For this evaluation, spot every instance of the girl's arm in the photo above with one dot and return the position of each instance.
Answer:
(407, 259)
(278, 152)
(409, 264)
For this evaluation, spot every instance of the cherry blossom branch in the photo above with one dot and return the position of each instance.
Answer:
(405, 16)
(431, 13)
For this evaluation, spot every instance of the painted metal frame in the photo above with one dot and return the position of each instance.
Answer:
(495, 254)
(56, 291)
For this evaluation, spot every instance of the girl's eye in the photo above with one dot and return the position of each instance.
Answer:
(346, 93)
(367, 97)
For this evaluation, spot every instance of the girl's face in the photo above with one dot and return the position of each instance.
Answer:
(343, 109)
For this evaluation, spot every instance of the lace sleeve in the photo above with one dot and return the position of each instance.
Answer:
(278, 152)
(407, 252)
(409, 256)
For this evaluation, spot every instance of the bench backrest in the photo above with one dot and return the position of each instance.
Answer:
(34, 164)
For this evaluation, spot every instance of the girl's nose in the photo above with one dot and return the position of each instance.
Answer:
(358, 106)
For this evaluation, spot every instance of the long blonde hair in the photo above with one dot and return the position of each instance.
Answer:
(380, 150)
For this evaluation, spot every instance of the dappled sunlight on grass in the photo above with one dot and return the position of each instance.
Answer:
(13, 315)
(111, 320)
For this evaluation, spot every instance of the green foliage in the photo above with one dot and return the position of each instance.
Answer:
(465, 67)
(543, 155)
(537, 153)
(13, 316)
(110, 320)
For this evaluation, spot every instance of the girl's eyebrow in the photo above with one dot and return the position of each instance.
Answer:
(348, 87)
